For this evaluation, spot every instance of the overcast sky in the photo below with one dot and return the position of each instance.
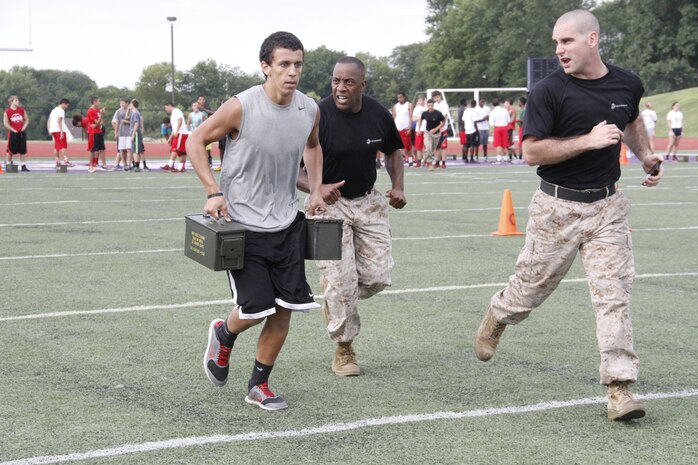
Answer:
(112, 41)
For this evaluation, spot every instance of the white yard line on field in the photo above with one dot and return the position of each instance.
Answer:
(206, 303)
(71, 223)
(89, 254)
(399, 212)
(103, 188)
(138, 308)
(413, 238)
(100, 201)
(330, 428)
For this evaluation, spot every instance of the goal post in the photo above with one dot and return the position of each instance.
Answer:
(16, 31)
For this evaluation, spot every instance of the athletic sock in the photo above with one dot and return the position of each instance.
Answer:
(260, 374)
(226, 337)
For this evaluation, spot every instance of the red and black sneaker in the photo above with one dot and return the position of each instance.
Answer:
(265, 398)
(216, 357)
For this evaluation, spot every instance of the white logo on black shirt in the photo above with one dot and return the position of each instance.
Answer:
(369, 141)
(618, 105)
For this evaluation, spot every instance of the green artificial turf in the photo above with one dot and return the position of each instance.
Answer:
(105, 378)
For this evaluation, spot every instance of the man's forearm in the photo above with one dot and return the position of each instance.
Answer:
(553, 150)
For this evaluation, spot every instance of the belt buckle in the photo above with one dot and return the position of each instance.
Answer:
(590, 193)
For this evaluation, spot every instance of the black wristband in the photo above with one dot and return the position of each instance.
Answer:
(217, 194)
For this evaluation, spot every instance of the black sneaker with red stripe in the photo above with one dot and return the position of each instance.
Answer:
(216, 357)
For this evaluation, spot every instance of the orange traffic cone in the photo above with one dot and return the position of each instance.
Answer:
(623, 154)
(507, 220)
(0, 168)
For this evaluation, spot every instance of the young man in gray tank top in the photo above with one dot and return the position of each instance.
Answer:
(268, 129)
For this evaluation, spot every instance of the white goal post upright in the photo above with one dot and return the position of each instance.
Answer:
(29, 47)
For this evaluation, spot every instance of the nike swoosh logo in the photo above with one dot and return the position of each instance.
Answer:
(259, 369)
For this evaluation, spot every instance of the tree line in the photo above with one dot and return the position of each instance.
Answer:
(471, 43)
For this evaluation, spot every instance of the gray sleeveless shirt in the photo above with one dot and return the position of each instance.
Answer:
(260, 166)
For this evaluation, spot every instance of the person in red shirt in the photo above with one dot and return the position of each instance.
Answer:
(95, 135)
(509, 105)
(16, 120)
(80, 121)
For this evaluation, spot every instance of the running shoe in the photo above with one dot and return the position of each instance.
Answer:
(216, 356)
(263, 397)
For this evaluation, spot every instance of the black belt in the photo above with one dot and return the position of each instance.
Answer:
(585, 196)
(356, 196)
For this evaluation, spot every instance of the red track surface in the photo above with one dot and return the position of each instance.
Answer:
(160, 149)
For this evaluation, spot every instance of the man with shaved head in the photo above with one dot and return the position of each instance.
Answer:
(575, 121)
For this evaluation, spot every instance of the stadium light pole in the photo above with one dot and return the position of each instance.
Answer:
(172, 20)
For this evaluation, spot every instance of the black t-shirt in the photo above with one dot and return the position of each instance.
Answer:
(461, 123)
(350, 142)
(433, 119)
(564, 106)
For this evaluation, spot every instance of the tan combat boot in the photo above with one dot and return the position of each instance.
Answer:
(621, 405)
(344, 362)
(487, 336)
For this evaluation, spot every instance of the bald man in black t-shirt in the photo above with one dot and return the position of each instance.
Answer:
(574, 123)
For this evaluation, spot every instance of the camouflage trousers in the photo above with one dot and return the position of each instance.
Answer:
(366, 263)
(556, 231)
(431, 144)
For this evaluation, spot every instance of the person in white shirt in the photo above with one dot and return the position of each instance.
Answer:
(178, 138)
(482, 115)
(461, 129)
(418, 132)
(649, 117)
(471, 134)
(674, 120)
(499, 119)
(58, 129)
(402, 114)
